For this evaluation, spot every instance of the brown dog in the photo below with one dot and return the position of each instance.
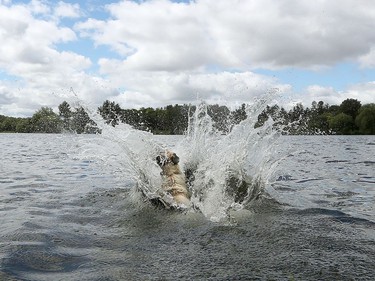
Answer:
(173, 179)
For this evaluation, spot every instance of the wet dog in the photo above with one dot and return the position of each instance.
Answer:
(174, 181)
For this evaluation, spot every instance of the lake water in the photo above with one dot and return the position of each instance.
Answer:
(69, 209)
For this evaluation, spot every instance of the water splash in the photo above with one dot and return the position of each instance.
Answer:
(224, 171)
(228, 171)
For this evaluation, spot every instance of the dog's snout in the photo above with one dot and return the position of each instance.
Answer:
(168, 157)
(175, 159)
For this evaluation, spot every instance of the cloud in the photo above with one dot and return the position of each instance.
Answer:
(38, 7)
(44, 74)
(368, 60)
(161, 35)
(28, 40)
(177, 51)
(66, 10)
(5, 96)
(163, 52)
(363, 92)
(5, 2)
(158, 88)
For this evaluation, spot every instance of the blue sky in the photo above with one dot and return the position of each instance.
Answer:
(160, 52)
(338, 76)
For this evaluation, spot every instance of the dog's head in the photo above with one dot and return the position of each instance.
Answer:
(167, 157)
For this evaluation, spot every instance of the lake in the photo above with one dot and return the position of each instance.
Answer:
(70, 210)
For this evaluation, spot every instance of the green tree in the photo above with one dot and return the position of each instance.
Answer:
(220, 116)
(130, 117)
(366, 119)
(82, 123)
(297, 120)
(317, 118)
(46, 121)
(296, 113)
(7, 124)
(341, 124)
(13, 124)
(65, 114)
(238, 115)
(64, 110)
(176, 119)
(274, 112)
(334, 109)
(148, 119)
(111, 112)
(322, 124)
(23, 125)
(350, 107)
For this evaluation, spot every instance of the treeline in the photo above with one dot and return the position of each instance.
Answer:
(170, 120)
(45, 120)
(350, 117)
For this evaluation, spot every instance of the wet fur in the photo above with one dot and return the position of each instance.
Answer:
(174, 181)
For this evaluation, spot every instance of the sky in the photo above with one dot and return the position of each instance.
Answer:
(152, 53)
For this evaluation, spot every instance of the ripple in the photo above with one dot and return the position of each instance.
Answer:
(40, 258)
(337, 161)
(308, 180)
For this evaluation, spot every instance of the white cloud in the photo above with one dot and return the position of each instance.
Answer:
(25, 38)
(67, 10)
(175, 52)
(368, 60)
(364, 92)
(38, 7)
(158, 88)
(169, 48)
(160, 35)
(319, 93)
(5, 2)
(44, 74)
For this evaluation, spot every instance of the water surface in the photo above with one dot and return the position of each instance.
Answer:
(69, 212)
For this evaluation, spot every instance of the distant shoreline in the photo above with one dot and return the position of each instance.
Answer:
(348, 118)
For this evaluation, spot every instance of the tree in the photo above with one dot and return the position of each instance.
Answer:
(131, 117)
(350, 107)
(238, 115)
(82, 123)
(65, 114)
(7, 124)
(111, 112)
(23, 125)
(220, 116)
(317, 118)
(64, 110)
(366, 119)
(341, 124)
(274, 112)
(148, 119)
(296, 113)
(334, 109)
(176, 119)
(321, 107)
(45, 121)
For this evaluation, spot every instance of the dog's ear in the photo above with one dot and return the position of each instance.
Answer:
(175, 159)
(159, 160)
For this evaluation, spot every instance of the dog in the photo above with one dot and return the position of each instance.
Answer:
(174, 181)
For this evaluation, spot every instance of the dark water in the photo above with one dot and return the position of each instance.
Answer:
(64, 217)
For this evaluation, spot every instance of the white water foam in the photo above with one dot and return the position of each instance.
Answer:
(225, 164)
(220, 166)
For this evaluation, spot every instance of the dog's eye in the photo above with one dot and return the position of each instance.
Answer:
(159, 161)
